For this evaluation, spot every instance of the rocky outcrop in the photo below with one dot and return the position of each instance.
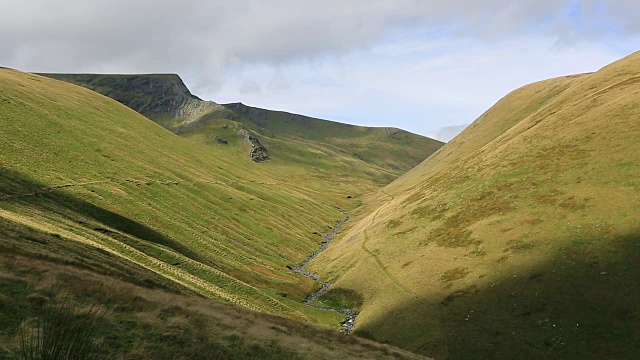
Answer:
(219, 140)
(258, 152)
(390, 131)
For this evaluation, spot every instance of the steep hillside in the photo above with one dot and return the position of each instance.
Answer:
(518, 239)
(80, 166)
(313, 148)
(143, 322)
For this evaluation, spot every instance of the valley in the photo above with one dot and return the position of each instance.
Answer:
(264, 234)
(347, 324)
(86, 179)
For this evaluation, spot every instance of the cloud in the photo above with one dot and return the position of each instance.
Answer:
(207, 37)
(447, 133)
(381, 61)
(279, 82)
(416, 84)
(249, 86)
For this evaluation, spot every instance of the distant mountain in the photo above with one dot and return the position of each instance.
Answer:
(520, 238)
(160, 97)
(386, 152)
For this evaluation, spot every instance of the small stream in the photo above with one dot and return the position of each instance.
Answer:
(348, 324)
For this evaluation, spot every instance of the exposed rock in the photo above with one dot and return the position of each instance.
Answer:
(258, 152)
(390, 131)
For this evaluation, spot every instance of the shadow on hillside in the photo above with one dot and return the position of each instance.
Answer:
(20, 189)
(583, 304)
(22, 240)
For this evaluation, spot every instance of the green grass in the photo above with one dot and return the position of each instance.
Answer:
(340, 298)
(389, 149)
(323, 147)
(126, 321)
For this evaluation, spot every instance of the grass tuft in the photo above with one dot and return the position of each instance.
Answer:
(63, 330)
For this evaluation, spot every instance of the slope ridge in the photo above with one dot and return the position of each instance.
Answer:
(163, 98)
(387, 148)
(99, 201)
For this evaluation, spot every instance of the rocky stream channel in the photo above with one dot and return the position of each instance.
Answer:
(349, 322)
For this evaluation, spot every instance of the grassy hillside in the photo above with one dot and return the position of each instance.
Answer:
(77, 164)
(518, 239)
(165, 322)
(388, 149)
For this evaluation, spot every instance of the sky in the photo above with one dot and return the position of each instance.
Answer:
(429, 67)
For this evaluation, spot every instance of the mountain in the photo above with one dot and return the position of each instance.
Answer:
(518, 239)
(101, 203)
(319, 146)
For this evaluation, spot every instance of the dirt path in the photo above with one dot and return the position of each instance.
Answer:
(349, 322)
(379, 262)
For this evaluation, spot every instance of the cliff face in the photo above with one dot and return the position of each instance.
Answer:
(162, 97)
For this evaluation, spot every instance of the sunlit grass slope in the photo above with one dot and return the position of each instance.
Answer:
(78, 165)
(518, 239)
(163, 98)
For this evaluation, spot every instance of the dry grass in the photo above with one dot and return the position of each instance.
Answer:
(151, 321)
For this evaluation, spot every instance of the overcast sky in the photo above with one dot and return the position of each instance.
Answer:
(421, 65)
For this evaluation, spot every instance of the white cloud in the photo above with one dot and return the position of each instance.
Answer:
(427, 87)
(210, 35)
(447, 133)
(421, 65)
(249, 86)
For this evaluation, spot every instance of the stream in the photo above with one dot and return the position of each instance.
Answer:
(349, 322)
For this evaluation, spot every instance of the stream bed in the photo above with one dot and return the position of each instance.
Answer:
(348, 324)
